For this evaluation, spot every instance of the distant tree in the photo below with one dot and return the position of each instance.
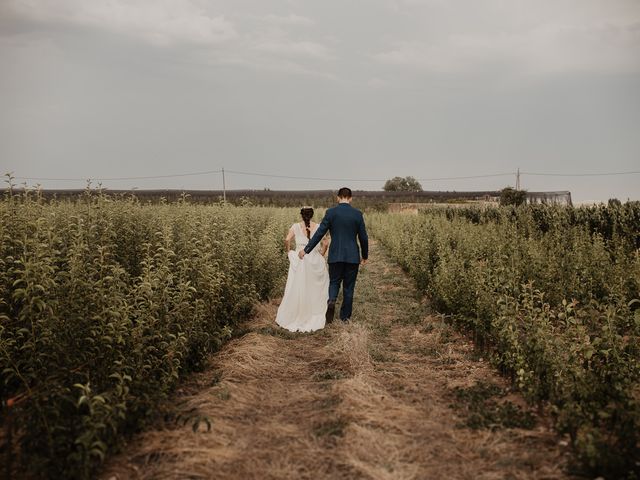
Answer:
(402, 184)
(614, 202)
(511, 196)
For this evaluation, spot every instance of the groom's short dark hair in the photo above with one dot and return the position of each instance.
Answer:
(344, 192)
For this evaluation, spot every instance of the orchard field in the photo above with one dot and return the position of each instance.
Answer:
(553, 294)
(106, 304)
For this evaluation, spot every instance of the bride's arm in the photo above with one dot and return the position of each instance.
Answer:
(324, 245)
(288, 238)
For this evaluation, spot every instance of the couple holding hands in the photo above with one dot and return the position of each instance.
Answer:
(311, 291)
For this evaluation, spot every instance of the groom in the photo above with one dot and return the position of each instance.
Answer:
(345, 223)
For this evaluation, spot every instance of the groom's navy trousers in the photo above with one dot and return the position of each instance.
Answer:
(345, 274)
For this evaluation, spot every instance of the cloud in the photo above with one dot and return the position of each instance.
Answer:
(292, 19)
(276, 39)
(204, 36)
(304, 49)
(545, 49)
(283, 65)
(159, 23)
(435, 36)
(376, 82)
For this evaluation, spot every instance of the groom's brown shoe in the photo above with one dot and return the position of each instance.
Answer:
(331, 309)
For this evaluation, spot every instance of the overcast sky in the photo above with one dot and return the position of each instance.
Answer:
(332, 88)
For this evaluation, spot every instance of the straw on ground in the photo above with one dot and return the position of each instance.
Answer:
(390, 396)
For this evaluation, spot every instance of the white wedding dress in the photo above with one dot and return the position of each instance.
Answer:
(304, 303)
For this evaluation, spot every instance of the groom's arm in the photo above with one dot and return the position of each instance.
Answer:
(363, 238)
(320, 232)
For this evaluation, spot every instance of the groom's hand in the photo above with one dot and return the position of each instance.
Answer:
(301, 254)
(364, 261)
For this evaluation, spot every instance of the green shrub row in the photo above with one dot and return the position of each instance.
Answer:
(557, 307)
(617, 222)
(105, 304)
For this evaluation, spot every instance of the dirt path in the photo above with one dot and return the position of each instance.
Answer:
(372, 399)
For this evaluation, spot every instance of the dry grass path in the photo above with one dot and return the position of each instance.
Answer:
(369, 400)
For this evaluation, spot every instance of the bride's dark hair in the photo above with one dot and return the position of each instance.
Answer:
(307, 215)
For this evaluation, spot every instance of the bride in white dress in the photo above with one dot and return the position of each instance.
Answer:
(304, 303)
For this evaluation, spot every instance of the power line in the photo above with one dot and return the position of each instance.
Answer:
(364, 179)
(467, 177)
(256, 174)
(294, 177)
(604, 174)
(291, 177)
(207, 172)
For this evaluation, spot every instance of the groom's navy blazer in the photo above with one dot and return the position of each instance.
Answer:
(345, 223)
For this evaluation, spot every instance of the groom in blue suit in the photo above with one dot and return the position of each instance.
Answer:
(345, 223)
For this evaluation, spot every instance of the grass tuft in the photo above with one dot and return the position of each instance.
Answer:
(481, 408)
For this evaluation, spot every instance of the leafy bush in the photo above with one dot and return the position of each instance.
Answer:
(106, 303)
(402, 184)
(618, 222)
(511, 196)
(552, 292)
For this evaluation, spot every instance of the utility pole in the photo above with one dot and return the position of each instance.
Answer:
(224, 187)
(518, 179)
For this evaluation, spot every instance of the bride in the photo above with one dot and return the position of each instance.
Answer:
(304, 303)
